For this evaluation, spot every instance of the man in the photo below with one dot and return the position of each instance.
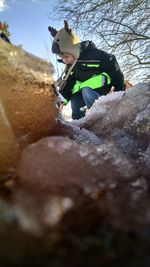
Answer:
(90, 72)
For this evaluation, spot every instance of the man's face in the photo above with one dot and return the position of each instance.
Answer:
(68, 59)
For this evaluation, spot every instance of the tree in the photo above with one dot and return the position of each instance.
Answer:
(117, 26)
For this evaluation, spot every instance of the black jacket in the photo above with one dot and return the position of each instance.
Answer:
(107, 63)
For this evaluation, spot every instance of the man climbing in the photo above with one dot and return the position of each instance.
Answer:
(89, 72)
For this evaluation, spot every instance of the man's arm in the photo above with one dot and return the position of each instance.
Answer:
(109, 64)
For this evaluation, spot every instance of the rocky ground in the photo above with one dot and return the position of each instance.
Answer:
(72, 194)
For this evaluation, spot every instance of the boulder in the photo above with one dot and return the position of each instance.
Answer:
(127, 111)
(76, 204)
(61, 166)
(80, 198)
(27, 102)
(123, 117)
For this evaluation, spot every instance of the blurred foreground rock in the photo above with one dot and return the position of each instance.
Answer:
(83, 198)
(27, 108)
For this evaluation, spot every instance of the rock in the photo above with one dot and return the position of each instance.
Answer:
(60, 166)
(9, 146)
(77, 200)
(80, 135)
(27, 105)
(124, 118)
(127, 111)
(82, 199)
(58, 158)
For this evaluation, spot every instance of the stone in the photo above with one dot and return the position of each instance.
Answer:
(68, 170)
(58, 158)
(27, 102)
(123, 117)
(82, 198)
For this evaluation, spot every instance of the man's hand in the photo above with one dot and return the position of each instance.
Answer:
(59, 103)
(61, 107)
(112, 90)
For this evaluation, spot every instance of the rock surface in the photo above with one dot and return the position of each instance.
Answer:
(80, 198)
(124, 119)
(27, 102)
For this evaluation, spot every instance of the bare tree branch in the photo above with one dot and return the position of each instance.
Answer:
(117, 26)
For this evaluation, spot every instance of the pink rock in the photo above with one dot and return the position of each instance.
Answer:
(56, 162)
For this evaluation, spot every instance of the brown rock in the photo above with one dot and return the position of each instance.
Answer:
(57, 175)
(27, 105)
(55, 162)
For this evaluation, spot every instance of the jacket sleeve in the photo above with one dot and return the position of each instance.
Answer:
(109, 64)
(117, 77)
(67, 88)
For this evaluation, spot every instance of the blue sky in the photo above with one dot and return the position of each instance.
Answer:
(28, 22)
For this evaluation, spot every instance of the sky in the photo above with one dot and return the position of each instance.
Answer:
(28, 21)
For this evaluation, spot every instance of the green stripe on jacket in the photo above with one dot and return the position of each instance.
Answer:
(94, 82)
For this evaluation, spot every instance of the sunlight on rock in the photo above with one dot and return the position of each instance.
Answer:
(64, 146)
(83, 190)
(12, 54)
(9, 147)
(27, 107)
(27, 221)
(84, 151)
(55, 209)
